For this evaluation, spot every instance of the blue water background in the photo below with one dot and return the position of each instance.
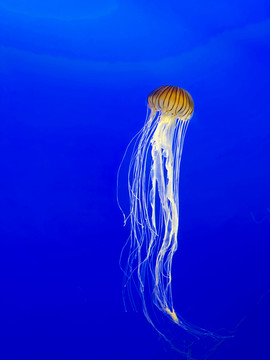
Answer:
(74, 78)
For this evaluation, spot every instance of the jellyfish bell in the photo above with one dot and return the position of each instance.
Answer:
(172, 102)
(153, 185)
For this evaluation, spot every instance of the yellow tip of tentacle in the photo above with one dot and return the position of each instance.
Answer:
(172, 315)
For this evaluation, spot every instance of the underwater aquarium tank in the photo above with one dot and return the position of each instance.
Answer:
(161, 109)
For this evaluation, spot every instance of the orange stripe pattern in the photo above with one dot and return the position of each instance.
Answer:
(171, 101)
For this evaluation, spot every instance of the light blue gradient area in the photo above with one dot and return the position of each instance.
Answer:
(122, 31)
(61, 10)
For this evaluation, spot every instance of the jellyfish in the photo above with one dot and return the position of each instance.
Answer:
(153, 187)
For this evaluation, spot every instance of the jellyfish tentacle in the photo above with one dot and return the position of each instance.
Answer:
(163, 160)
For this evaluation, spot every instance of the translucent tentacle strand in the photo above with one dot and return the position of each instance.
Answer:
(153, 183)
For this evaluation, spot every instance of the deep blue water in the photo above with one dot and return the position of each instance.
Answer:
(74, 78)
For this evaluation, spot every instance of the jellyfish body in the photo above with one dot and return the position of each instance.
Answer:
(153, 184)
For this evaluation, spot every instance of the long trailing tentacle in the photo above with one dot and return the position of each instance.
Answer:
(153, 186)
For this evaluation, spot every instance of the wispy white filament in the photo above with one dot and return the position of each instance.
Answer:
(153, 186)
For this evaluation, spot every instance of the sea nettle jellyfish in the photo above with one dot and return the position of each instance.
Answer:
(153, 185)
